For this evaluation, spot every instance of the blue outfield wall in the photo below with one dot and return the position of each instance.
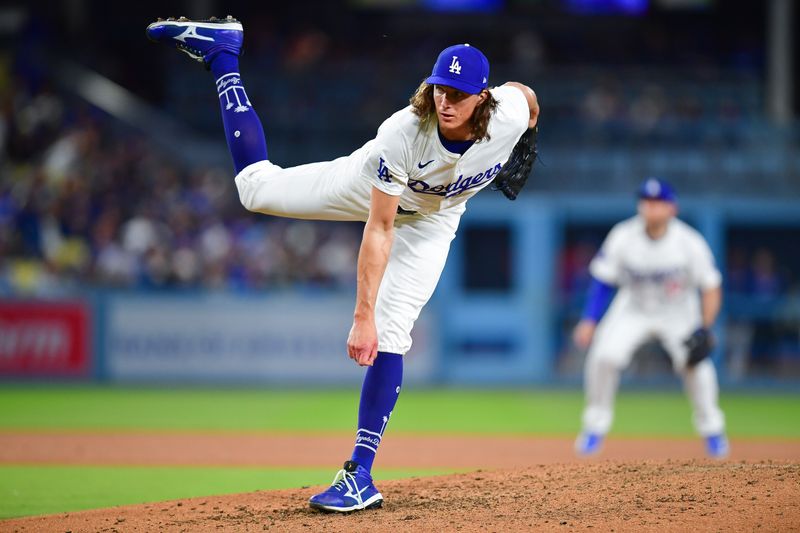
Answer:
(464, 337)
(276, 338)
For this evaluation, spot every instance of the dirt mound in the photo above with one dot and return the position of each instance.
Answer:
(602, 496)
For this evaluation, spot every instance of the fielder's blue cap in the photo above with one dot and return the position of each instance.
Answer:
(463, 67)
(657, 189)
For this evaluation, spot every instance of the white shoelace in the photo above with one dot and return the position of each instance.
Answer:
(348, 477)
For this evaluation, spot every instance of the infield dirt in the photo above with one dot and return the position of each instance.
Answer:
(519, 484)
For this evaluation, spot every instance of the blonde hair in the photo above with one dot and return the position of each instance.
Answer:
(423, 106)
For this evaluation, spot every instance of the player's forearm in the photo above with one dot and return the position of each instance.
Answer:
(372, 259)
(533, 106)
(712, 301)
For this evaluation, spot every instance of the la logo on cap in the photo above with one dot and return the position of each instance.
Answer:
(455, 67)
(653, 187)
(461, 67)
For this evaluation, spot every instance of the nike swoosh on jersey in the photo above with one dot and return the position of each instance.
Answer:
(420, 165)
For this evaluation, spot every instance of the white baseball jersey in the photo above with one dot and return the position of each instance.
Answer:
(433, 184)
(656, 275)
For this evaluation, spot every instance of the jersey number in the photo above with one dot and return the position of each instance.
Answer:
(383, 172)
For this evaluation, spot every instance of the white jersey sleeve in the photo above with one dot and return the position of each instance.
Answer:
(513, 109)
(606, 265)
(704, 271)
(390, 158)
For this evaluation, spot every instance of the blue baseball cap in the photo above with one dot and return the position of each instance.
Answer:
(463, 67)
(657, 189)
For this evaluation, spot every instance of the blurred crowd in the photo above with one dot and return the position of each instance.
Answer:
(586, 107)
(83, 202)
(83, 199)
(677, 113)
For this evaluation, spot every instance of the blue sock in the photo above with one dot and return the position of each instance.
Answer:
(242, 128)
(378, 396)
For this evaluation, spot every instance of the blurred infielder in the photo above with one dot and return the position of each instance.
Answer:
(669, 289)
(410, 185)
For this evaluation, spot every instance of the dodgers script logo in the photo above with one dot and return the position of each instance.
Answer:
(660, 284)
(669, 276)
(457, 187)
(373, 441)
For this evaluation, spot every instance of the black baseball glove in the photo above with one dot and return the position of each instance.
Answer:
(699, 345)
(515, 172)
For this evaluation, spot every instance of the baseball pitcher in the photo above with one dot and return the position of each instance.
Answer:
(410, 185)
(668, 288)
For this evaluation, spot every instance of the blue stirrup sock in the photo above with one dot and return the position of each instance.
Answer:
(378, 397)
(242, 128)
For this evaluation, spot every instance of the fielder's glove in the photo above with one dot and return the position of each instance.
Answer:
(515, 172)
(699, 345)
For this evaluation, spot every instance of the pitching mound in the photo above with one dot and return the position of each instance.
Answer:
(693, 495)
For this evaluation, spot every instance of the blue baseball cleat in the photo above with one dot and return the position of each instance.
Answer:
(717, 446)
(201, 40)
(351, 490)
(588, 444)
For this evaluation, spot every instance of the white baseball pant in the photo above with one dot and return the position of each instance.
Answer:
(617, 337)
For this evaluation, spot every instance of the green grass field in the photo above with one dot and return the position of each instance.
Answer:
(28, 490)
